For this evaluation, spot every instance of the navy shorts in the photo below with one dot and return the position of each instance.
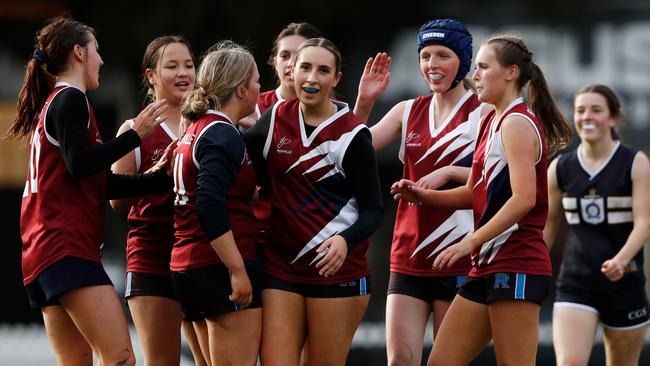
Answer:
(426, 289)
(506, 285)
(67, 274)
(619, 309)
(358, 287)
(203, 292)
(148, 284)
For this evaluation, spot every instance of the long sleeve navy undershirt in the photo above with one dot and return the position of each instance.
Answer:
(219, 151)
(67, 122)
(359, 164)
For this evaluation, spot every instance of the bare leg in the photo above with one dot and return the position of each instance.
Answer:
(201, 330)
(235, 337)
(97, 313)
(158, 321)
(283, 329)
(331, 323)
(193, 341)
(406, 322)
(69, 346)
(440, 308)
(464, 332)
(574, 331)
(514, 317)
(623, 347)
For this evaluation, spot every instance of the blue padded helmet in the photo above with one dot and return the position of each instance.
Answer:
(453, 35)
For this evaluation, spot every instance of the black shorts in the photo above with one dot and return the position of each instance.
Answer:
(506, 285)
(358, 287)
(67, 274)
(148, 284)
(619, 309)
(203, 292)
(426, 289)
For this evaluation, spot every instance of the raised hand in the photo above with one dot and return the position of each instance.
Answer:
(375, 77)
(373, 83)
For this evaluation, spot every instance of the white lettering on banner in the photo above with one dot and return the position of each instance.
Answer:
(617, 56)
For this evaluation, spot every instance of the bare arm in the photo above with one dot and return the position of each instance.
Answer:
(389, 127)
(457, 198)
(445, 174)
(126, 165)
(555, 220)
(614, 268)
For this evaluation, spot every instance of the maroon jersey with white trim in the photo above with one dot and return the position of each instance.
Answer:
(520, 248)
(151, 218)
(311, 198)
(267, 100)
(60, 215)
(192, 248)
(421, 232)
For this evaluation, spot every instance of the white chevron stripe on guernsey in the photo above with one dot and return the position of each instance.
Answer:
(469, 149)
(458, 224)
(346, 217)
(462, 140)
(451, 135)
(494, 157)
(332, 150)
(495, 244)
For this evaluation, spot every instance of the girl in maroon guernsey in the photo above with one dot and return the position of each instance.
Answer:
(168, 72)
(437, 143)
(318, 159)
(213, 257)
(63, 203)
(506, 188)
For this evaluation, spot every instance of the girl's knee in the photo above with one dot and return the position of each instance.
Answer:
(122, 358)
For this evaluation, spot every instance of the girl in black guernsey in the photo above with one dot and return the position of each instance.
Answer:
(603, 189)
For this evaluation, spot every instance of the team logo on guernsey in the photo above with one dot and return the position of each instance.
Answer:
(187, 139)
(592, 207)
(284, 141)
(157, 154)
(413, 139)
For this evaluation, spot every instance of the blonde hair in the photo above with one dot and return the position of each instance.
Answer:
(225, 66)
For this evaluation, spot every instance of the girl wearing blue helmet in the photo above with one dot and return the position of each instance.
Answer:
(437, 143)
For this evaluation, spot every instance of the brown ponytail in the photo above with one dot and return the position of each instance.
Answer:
(511, 50)
(54, 43)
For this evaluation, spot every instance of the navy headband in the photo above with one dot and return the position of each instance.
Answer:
(453, 35)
